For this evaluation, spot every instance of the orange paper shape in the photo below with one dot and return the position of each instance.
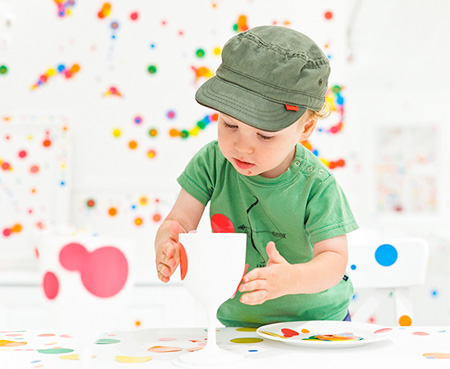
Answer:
(183, 261)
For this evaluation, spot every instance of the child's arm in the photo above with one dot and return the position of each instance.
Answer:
(280, 278)
(184, 217)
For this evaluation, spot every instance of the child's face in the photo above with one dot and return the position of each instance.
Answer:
(253, 151)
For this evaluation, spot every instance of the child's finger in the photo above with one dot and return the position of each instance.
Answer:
(254, 298)
(257, 273)
(257, 284)
(164, 270)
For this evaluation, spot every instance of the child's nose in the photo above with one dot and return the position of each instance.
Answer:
(243, 145)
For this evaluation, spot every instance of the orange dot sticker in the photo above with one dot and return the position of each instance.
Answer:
(162, 349)
(112, 212)
(437, 355)
(405, 321)
(16, 228)
(34, 169)
(138, 221)
(132, 145)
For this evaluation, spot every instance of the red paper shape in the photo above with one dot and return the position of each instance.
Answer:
(289, 332)
(221, 224)
(183, 261)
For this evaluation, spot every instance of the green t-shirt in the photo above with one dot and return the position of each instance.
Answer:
(302, 206)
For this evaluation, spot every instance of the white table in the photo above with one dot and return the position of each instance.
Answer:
(405, 349)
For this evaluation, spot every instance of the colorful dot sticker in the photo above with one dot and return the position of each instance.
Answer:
(246, 329)
(246, 340)
(164, 349)
(405, 321)
(104, 271)
(107, 341)
(386, 255)
(382, 330)
(221, 224)
(73, 357)
(55, 351)
(437, 355)
(6, 343)
(132, 359)
(50, 285)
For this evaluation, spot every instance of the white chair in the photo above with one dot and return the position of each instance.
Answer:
(387, 266)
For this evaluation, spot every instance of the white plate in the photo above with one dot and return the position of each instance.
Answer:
(369, 332)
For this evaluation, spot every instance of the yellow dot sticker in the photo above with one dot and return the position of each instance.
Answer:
(246, 340)
(246, 329)
(132, 359)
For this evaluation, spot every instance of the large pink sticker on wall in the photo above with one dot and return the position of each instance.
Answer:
(104, 271)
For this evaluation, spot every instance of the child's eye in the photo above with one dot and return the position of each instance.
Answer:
(226, 125)
(264, 138)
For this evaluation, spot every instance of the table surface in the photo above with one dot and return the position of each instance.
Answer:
(406, 347)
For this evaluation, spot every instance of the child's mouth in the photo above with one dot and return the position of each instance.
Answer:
(243, 164)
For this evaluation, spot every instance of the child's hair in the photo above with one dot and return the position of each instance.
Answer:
(323, 113)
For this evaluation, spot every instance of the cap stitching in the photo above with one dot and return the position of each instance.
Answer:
(314, 62)
(270, 85)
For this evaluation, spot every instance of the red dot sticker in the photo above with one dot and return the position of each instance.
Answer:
(51, 285)
(221, 224)
(328, 15)
(382, 330)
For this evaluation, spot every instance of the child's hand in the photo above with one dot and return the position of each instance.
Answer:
(270, 282)
(167, 253)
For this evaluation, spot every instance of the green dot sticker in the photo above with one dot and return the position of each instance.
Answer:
(200, 53)
(106, 341)
(55, 351)
(152, 69)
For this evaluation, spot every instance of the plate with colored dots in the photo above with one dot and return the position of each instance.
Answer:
(325, 334)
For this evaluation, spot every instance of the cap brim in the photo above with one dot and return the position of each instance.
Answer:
(245, 105)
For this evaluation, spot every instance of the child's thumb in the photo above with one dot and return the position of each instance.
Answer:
(273, 254)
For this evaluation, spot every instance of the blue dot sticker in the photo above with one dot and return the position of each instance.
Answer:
(386, 255)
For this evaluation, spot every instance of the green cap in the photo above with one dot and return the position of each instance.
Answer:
(268, 77)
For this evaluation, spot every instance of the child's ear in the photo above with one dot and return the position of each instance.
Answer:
(308, 128)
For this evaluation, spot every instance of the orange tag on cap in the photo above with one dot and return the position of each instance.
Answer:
(291, 107)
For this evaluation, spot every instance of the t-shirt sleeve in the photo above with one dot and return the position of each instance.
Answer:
(198, 178)
(328, 213)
